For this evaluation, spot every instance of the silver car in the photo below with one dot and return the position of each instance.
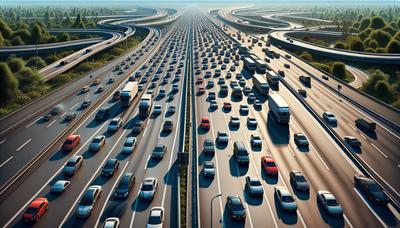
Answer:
(329, 203)
(285, 199)
(73, 164)
(148, 188)
(60, 186)
(129, 145)
(88, 201)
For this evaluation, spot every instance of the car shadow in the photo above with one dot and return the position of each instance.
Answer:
(235, 169)
(115, 208)
(252, 200)
(279, 133)
(59, 155)
(205, 182)
(269, 178)
(328, 219)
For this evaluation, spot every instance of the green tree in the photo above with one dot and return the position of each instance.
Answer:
(37, 35)
(377, 23)
(364, 24)
(25, 35)
(1, 39)
(338, 69)
(15, 64)
(64, 37)
(393, 46)
(17, 41)
(306, 56)
(8, 84)
(384, 90)
(5, 30)
(357, 45)
(369, 85)
(390, 30)
(381, 37)
(35, 62)
(28, 79)
(340, 45)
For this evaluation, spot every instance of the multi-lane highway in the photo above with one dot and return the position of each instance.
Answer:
(232, 123)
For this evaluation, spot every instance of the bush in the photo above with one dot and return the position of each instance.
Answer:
(36, 62)
(393, 46)
(28, 79)
(338, 69)
(8, 84)
(357, 45)
(364, 24)
(369, 85)
(384, 91)
(340, 45)
(306, 56)
(377, 23)
(322, 66)
(381, 37)
(15, 64)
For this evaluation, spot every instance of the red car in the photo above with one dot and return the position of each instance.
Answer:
(227, 105)
(205, 123)
(199, 81)
(269, 165)
(71, 142)
(201, 90)
(36, 210)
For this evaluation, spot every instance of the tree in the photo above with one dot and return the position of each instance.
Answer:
(28, 79)
(37, 35)
(373, 44)
(340, 45)
(369, 85)
(393, 46)
(383, 90)
(338, 69)
(8, 84)
(35, 62)
(17, 41)
(377, 23)
(381, 37)
(64, 37)
(15, 64)
(364, 24)
(306, 56)
(1, 39)
(25, 35)
(390, 30)
(357, 45)
(5, 30)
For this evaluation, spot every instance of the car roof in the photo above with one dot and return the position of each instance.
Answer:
(72, 137)
(74, 158)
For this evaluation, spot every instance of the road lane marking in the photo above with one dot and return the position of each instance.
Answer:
(290, 148)
(51, 123)
(63, 114)
(109, 195)
(134, 210)
(380, 151)
(147, 162)
(19, 148)
(2, 164)
(369, 206)
(2, 141)
(74, 106)
(347, 220)
(33, 122)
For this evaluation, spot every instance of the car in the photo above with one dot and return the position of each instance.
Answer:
(244, 109)
(60, 186)
(235, 207)
(148, 188)
(210, 84)
(352, 141)
(156, 218)
(100, 88)
(35, 210)
(281, 73)
(211, 96)
(125, 186)
(96, 82)
(221, 81)
(251, 98)
(234, 121)
(370, 189)
(201, 90)
(302, 92)
(285, 199)
(256, 141)
(72, 166)
(227, 105)
(209, 147)
(251, 122)
(228, 75)
(286, 65)
(325, 77)
(254, 186)
(115, 124)
(170, 97)
(112, 222)
(269, 166)
(102, 114)
(85, 89)
(47, 117)
(129, 145)
(171, 110)
(300, 140)
(222, 137)
(199, 81)
(329, 117)
(157, 110)
(159, 151)
(257, 104)
(97, 143)
(71, 142)
(86, 103)
(111, 80)
(138, 126)
(69, 116)
(110, 167)
(208, 169)
(247, 90)
(88, 201)
(329, 203)
(299, 181)
(213, 105)
(168, 125)
(205, 123)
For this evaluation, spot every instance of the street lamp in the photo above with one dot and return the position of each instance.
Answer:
(212, 199)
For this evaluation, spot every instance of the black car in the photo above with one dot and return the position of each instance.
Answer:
(137, 127)
(235, 207)
(299, 181)
(116, 95)
(371, 189)
(124, 186)
(110, 167)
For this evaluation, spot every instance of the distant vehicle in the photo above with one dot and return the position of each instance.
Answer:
(272, 78)
(269, 166)
(281, 73)
(251, 121)
(71, 142)
(237, 92)
(128, 93)
(125, 186)
(72, 165)
(306, 80)
(249, 64)
(302, 92)
(60, 186)
(329, 117)
(88, 201)
(227, 105)
(148, 188)
(157, 110)
(85, 89)
(328, 202)
(100, 88)
(286, 65)
(285, 199)
(371, 189)
(299, 181)
(129, 145)
(96, 82)
(260, 83)
(35, 210)
(255, 141)
(168, 125)
(209, 147)
(156, 218)
(208, 169)
(205, 123)
(110, 167)
(279, 108)
(365, 125)
(325, 77)
(86, 103)
(115, 124)
(240, 153)
(64, 62)
(111, 80)
(137, 127)
(352, 141)
(97, 143)
(254, 186)
(261, 66)
(244, 109)
(234, 121)
(159, 151)
(222, 137)
(300, 140)
(235, 207)
(145, 105)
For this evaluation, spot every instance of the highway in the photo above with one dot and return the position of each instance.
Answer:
(44, 176)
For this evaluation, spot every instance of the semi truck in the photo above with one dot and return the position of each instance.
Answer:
(261, 66)
(279, 108)
(128, 93)
(249, 64)
(260, 83)
(145, 105)
(272, 77)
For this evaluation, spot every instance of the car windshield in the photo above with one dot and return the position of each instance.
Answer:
(96, 140)
(68, 142)
(147, 187)
(87, 199)
(301, 137)
(208, 143)
(159, 149)
(208, 165)
(374, 188)
(271, 164)
(255, 183)
(113, 122)
(154, 219)
(300, 179)
(109, 165)
(70, 163)
(332, 202)
(287, 199)
(124, 183)
(237, 206)
(31, 210)
(128, 143)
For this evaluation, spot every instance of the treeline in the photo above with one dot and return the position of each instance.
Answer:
(373, 34)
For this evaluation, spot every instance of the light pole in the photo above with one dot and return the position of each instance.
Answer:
(212, 199)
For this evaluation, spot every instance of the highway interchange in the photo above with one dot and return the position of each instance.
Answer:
(192, 49)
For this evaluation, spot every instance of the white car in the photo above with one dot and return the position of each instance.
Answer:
(112, 222)
(285, 199)
(156, 218)
(115, 124)
(148, 188)
(329, 203)
(329, 117)
(60, 186)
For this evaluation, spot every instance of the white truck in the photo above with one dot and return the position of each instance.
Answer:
(279, 108)
(260, 83)
(272, 77)
(128, 93)
(145, 105)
